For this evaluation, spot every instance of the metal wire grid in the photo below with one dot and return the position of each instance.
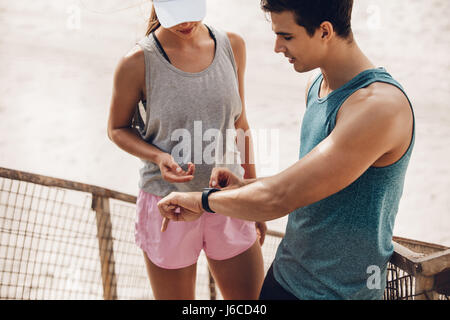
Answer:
(400, 285)
(132, 279)
(49, 249)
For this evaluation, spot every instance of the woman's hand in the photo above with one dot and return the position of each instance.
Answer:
(223, 178)
(261, 229)
(172, 172)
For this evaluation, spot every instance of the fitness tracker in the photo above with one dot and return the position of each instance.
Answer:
(205, 195)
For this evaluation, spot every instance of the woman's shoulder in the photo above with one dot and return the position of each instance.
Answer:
(236, 40)
(131, 65)
(238, 47)
(135, 56)
(134, 59)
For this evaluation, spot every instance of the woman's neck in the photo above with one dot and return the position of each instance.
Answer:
(171, 40)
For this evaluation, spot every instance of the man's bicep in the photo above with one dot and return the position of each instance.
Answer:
(338, 161)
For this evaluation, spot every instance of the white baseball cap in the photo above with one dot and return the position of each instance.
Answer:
(173, 12)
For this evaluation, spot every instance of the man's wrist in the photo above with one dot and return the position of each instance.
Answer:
(205, 198)
(248, 181)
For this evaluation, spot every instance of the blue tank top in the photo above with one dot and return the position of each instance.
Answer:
(329, 245)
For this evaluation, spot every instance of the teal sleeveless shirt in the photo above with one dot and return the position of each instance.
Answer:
(334, 248)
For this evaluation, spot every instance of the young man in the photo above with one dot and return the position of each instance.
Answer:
(342, 196)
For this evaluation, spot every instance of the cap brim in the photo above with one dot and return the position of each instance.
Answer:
(173, 12)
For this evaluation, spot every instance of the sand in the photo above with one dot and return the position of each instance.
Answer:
(57, 60)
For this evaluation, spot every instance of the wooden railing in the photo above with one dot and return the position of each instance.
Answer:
(418, 270)
(429, 265)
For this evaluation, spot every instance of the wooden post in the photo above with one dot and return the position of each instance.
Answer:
(212, 287)
(424, 288)
(105, 245)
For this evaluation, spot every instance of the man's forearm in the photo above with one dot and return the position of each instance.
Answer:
(258, 200)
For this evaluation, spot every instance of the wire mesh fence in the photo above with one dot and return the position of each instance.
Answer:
(409, 276)
(63, 240)
(400, 285)
(49, 248)
(51, 240)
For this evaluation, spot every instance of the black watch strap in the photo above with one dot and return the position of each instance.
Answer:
(205, 195)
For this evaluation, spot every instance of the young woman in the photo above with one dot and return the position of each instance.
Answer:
(189, 78)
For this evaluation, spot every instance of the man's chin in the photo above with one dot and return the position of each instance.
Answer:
(299, 69)
(302, 69)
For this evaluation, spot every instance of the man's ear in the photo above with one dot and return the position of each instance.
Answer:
(326, 30)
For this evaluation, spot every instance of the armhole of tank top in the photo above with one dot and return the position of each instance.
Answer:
(144, 47)
(230, 53)
(399, 87)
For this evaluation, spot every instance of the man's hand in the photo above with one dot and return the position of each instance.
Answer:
(180, 207)
(223, 178)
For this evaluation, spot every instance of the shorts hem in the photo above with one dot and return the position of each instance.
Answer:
(160, 265)
(235, 253)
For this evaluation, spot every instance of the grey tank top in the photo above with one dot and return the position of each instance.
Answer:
(190, 116)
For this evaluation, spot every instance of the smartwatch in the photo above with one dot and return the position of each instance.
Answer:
(205, 195)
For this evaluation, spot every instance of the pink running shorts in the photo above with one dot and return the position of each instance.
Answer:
(179, 246)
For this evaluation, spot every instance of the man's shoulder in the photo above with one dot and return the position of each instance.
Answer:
(381, 108)
(379, 98)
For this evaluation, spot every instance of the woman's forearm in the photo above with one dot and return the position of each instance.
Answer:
(130, 141)
(249, 181)
(250, 171)
(249, 167)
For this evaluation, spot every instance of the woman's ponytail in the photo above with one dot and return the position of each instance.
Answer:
(153, 22)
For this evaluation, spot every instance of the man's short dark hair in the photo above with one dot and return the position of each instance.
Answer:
(311, 13)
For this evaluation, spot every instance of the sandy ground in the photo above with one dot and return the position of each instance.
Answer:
(56, 79)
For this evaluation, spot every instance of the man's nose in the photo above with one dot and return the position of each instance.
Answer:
(279, 48)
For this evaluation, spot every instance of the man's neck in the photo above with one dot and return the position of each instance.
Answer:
(345, 62)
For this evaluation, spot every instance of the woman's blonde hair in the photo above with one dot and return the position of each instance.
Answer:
(153, 22)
